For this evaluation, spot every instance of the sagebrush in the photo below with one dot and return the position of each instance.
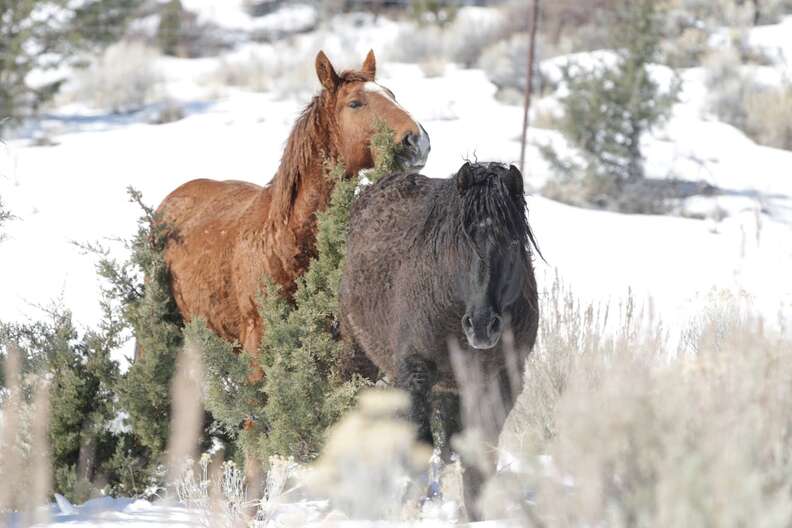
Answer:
(621, 426)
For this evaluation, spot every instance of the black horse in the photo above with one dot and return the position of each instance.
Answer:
(438, 261)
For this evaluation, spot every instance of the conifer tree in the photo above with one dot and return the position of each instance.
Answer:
(91, 450)
(608, 109)
(150, 311)
(169, 32)
(45, 34)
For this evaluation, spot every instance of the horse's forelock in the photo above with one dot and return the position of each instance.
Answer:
(489, 200)
(355, 76)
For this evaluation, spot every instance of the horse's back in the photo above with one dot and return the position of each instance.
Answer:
(383, 222)
(224, 199)
(208, 219)
(388, 209)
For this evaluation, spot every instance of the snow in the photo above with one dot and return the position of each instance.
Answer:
(107, 511)
(775, 41)
(75, 190)
(231, 15)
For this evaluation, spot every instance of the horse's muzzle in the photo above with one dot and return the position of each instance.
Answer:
(483, 333)
(416, 150)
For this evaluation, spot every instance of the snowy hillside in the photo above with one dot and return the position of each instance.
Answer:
(75, 189)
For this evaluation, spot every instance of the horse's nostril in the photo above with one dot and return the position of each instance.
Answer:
(494, 325)
(467, 323)
(410, 140)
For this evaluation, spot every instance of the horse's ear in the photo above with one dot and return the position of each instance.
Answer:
(514, 181)
(326, 73)
(370, 65)
(464, 177)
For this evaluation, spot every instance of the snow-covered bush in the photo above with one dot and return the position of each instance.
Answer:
(687, 48)
(370, 458)
(40, 35)
(762, 111)
(252, 72)
(769, 115)
(289, 72)
(463, 40)
(615, 431)
(727, 86)
(506, 63)
(772, 11)
(607, 109)
(418, 44)
(214, 489)
(123, 79)
(472, 31)
(433, 67)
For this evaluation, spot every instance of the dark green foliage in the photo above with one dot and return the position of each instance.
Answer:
(151, 313)
(305, 389)
(308, 381)
(89, 452)
(169, 32)
(386, 154)
(232, 398)
(51, 38)
(96, 23)
(139, 289)
(606, 112)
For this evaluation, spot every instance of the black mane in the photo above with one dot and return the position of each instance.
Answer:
(454, 214)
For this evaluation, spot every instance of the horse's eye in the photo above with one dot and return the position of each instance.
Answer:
(355, 104)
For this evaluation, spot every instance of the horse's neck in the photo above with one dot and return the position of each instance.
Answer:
(313, 194)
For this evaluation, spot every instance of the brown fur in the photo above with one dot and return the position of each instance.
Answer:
(409, 246)
(231, 234)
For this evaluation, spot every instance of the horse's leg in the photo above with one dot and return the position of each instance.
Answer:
(447, 408)
(416, 375)
(488, 416)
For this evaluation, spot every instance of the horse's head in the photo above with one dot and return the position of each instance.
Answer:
(497, 235)
(357, 103)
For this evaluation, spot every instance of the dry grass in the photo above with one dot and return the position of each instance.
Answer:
(124, 78)
(25, 474)
(769, 116)
(370, 460)
(614, 431)
(616, 427)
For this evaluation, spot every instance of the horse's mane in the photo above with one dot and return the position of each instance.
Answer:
(453, 216)
(313, 140)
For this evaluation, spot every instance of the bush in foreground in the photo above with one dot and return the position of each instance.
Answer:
(92, 450)
(615, 430)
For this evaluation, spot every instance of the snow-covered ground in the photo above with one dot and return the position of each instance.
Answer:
(74, 191)
(107, 511)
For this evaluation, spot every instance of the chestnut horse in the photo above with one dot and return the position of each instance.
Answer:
(231, 234)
